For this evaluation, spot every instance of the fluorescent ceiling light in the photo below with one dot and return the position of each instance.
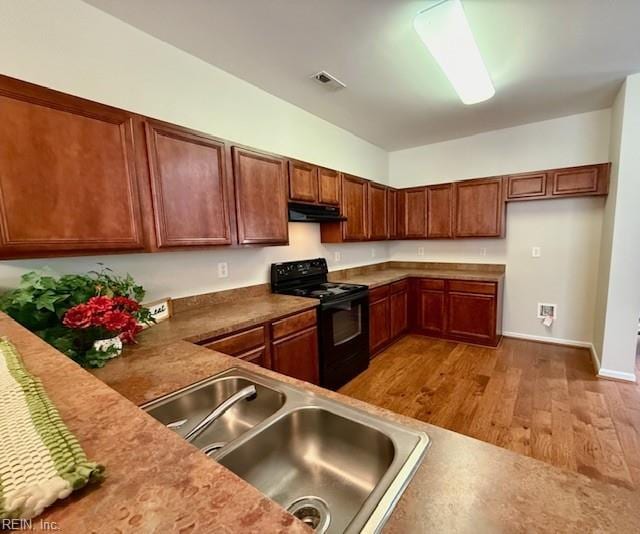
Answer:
(445, 31)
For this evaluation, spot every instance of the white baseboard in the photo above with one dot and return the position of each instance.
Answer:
(617, 375)
(546, 339)
(599, 371)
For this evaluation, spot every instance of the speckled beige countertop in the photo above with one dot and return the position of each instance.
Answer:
(158, 483)
(386, 273)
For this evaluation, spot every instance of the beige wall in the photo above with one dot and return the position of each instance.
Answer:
(567, 231)
(75, 48)
(618, 302)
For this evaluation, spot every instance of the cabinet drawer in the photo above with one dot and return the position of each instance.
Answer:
(378, 293)
(481, 288)
(238, 344)
(431, 283)
(292, 324)
(396, 287)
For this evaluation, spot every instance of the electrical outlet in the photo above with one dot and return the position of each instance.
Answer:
(223, 269)
(337, 257)
(420, 251)
(373, 252)
(483, 251)
(535, 252)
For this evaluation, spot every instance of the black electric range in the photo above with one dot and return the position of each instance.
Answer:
(343, 317)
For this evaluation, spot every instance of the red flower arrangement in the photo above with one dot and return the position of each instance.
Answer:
(116, 315)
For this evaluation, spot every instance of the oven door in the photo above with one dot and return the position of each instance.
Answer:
(344, 339)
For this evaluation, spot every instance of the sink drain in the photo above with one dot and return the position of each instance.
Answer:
(312, 511)
(213, 448)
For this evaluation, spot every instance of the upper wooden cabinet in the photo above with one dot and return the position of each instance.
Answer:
(479, 207)
(412, 213)
(586, 180)
(261, 197)
(392, 213)
(329, 186)
(378, 214)
(191, 186)
(68, 177)
(440, 211)
(303, 181)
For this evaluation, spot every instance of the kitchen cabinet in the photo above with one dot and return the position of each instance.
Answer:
(69, 184)
(378, 214)
(480, 208)
(440, 211)
(303, 181)
(412, 213)
(431, 307)
(192, 187)
(328, 186)
(398, 308)
(354, 206)
(472, 310)
(392, 213)
(585, 180)
(379, 319)
(248, 345)
(260, 181)
(297, 355)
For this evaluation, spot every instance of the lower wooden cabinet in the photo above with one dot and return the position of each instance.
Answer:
(297, 355)
(431, 310)
(388, 314)
(471, 316)
(288, 346)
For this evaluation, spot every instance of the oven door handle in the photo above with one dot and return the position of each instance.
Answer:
(362, 296)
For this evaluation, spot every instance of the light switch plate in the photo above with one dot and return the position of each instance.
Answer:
(535, 252)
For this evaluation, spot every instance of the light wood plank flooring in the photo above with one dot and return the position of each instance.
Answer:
(537, 399)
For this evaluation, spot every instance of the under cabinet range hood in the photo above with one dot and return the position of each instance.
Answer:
(314, 213)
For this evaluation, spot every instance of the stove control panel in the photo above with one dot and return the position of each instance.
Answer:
(298, 269)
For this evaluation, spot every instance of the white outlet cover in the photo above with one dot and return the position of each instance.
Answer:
(483, 251)
(223, 269)
(535, 252)
(337, 257)
(373, 252)
(420, 251)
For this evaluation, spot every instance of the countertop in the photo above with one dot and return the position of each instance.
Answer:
(376, 278)
(158, 483)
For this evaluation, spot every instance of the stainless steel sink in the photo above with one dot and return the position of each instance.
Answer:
(335, 467)
(190, 405)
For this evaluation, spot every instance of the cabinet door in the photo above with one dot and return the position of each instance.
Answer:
(68, 177)
(297, 355)
(379, 331)
(354, 208)
(303, 181)
(577, 181)
(398, 312)
(261, 197)
(480, 208)
(392, 213)
(431, 310)
(377, 202)
(256, 356)
(471, 317)
(440, 211)
(527, 186)
(329, 186)
(413, 213)
(190, 185)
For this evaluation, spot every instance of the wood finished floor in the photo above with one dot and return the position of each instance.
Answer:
(537, 399)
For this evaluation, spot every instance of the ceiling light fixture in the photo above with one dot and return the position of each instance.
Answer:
(445, 31)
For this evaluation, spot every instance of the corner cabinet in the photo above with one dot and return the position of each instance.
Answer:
(69, 184)
(378, 212)
(412, 213)
(440, 211)
(191, 185)
(480, 208)
(260, 181)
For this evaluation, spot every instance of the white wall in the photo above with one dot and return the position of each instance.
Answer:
(618, 309)
(73, 47)
(568, 230)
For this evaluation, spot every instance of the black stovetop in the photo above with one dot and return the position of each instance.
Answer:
(326, 291)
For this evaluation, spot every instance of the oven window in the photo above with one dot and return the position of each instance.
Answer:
(347, 323)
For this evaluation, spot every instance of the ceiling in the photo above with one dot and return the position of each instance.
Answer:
(547, 58)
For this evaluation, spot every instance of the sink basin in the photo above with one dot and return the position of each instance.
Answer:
(335, 467)
(314, 452)
(192, 404)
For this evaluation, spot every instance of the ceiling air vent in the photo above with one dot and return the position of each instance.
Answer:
(330, 82)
